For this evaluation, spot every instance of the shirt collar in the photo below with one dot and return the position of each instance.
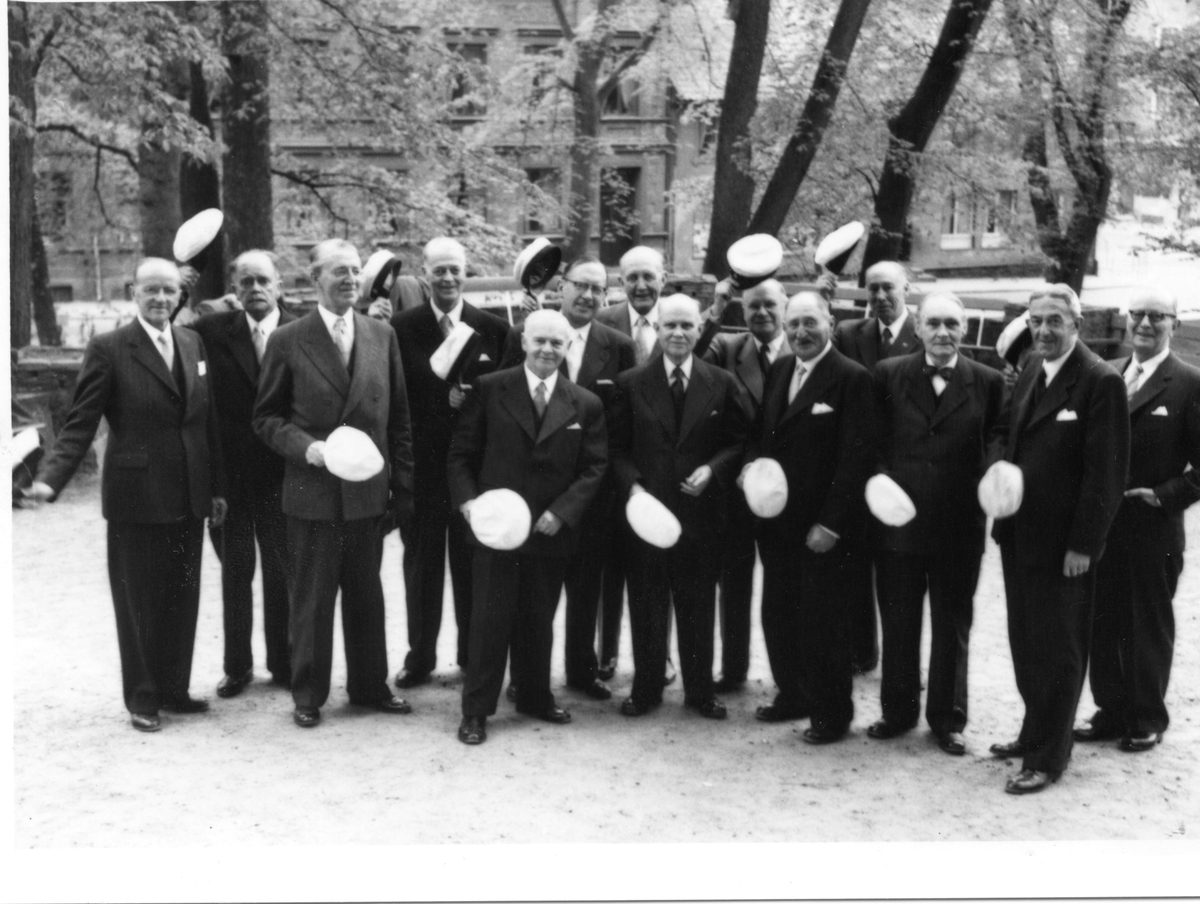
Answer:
(584, 331)
(533, 379)
(267, 324)
(775, 345)
(329, 317)
(153, 332)
(686, 367)
(809, 365)
(896, 324)
(1151, 365)
(952, 363)
(455, 313)
(1051, 368)
(634, 316)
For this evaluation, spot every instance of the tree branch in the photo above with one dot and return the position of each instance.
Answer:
(96, 189)
(610, 82)
(561, 15)
(44, 45)
(92, 140)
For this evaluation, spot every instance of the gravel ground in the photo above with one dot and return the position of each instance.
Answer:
(239, 803)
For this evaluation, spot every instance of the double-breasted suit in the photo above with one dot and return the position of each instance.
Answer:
(435, 523)
(254, 491)
(1072, 447)
(937, 449)
(1133, 632)
(556, 465)
(650, 449)
(824, 439)
(305, 392)
(161, 472)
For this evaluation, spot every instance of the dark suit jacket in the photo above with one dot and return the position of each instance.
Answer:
(617, 317)
(937, 450)
(1073, 451)
(826, 456)
(1164, 417)
(433, 419)
(737, 353)
(858, 340)
(233, 375)
(608, 352)
(557, 468)
(305, 393)
(162, 461)
(647, 448)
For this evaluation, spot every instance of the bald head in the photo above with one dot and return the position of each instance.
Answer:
(643, 276)
(445, 263)
(887, 290)
(1147, 337)
(678, 326)
(764, 306)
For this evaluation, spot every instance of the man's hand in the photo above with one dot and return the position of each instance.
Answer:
(827, 285)
(38, 492)
(1145, 494)
(721, 296)
(1075, 564)
(465, 508)
(315, 454)
(698, 482)
(530, 303)
(1010, 376)
(548, 524)
(820, 539)
(458, 395)
(220, 508)
(380, 309)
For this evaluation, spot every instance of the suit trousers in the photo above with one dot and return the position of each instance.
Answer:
(863, 624)
(612, 599)
(434, 527)
(584, 580)
(1049, 623)
(326, 556)
(950, 576)
(154, 572)
(805, 614)
(515, 597)
(258, 514)
(736, 586)
(685, 575)
(1133, 632)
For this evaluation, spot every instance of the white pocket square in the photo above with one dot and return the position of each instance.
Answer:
(1067, 415)
(822, 408)
(1161, 411)
(604, 382)
(574, 427)
(202, 369)
(484, 357)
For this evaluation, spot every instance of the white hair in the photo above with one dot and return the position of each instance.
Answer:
(547, 318)
(630, 257)
(443, 244)
(1063, 293)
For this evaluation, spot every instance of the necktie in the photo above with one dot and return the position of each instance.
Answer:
(260, 342)
(797, 381)
(1133, 376)
(885, 341)
(677, 394)
(764, 359)
(1039, 390)
(341, 341)
(644, 336)
(445, 325)
(539, 401)
(164, 349)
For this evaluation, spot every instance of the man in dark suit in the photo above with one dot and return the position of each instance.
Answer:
(678, 433)
(435, 405)
(747, 357)
(162, 477)
(595, 354)
(937, 413)
(887, 333)
(527, 430)
(1069, 434)
(336, 368)
(818, 422)
(235, 343)
(1133, 633)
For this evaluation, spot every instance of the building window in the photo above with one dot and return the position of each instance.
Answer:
(999, 215)
(542, 60)
(619, 223)
(623, 99)
(540, 216)
(958, 223)
(62, 293)
(468, 198)
(468, 81)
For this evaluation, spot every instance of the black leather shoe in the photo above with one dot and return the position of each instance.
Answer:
(555, 715)
(1011, 750)
(631, 707)
(229, 686)
(606, 670)
(773, 712)
(729, 685)
(186, 705)
(473, 729)
(952, 743)
(1140, 743)
(306, 716)
(711, 708)
(145, 721)
(596, 690)
(669, 674)
(511, 693)
(883, 729)
(1030, 781)
(406, 679)
(1097, 730)
(393, 706)
(822, 735)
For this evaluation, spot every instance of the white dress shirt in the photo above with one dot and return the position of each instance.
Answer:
(896, 325)
(1149, 366)
(798, 378)
(686, 367)
(264, 327)
(774, 347)
(159, 338)
(939, 382)
(646, 343)
(348, 318)
(533, 380)
(579, 340)
(1051, 368)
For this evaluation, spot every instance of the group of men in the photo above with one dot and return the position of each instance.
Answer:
(582, 411)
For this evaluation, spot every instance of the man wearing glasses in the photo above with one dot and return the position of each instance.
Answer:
(1133, 633)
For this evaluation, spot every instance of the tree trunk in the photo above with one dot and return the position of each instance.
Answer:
(247, 129)
(733, 183)
(21, 123)
(158, 175)
(911, 129)
(200, 189)
(43, 303)
(818, 111)
(585, 150)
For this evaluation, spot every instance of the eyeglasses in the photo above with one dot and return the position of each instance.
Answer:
(1155, 317)
(591, 288)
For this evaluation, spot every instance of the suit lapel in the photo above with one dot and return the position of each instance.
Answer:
(189, 363)
(242, 346)
(367, 352)
(905, 342)
(1056, 392)
(1154, 386)
(955, 394)
(696, 400)
(748, 370)
(919, 390)
(595, 356)
(868, 342)
(148, 356)
(812, 390)
(658, 394)
(518, 402)
(318, 346)
(559, 411)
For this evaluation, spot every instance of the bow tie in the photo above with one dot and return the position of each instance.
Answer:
(944, 372)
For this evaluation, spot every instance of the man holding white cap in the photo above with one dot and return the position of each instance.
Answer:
(1068, 432)
(678, 433)
(1133, 633)
(435, 404)
(337, 368)
(818, 422)
(938, 412)
(526, 430)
